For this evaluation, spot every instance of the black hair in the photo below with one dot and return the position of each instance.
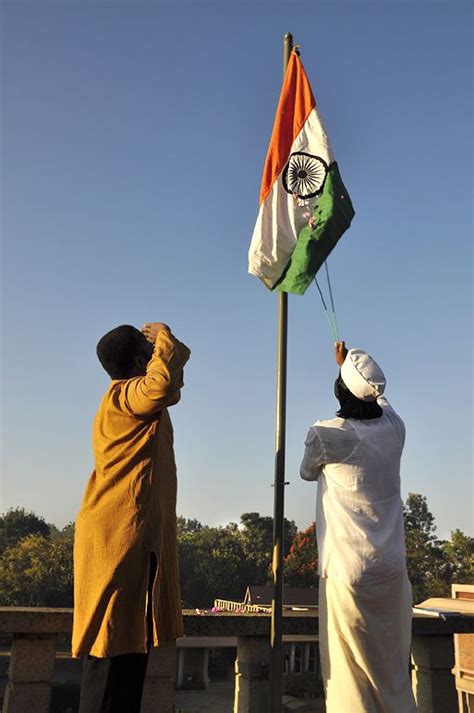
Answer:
(118, 348)
(351, 406)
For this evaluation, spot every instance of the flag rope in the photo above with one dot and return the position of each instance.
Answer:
(329, 286)
(321, 294)
(336, 330)
(331, 315)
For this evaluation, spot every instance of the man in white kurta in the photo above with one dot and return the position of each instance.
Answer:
(365, 601)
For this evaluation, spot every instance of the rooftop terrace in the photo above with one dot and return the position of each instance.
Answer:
(35, 634)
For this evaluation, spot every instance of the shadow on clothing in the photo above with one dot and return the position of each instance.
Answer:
(115, 684)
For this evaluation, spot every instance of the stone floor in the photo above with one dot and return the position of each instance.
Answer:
(217, 699)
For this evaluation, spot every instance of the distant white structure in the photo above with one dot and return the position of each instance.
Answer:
(259, 599)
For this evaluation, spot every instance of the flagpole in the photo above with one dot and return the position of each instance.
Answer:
(276, 660)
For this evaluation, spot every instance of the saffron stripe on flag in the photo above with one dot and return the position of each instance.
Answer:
(294, 107)
(304, 205)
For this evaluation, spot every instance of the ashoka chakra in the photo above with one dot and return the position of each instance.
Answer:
(304, 174)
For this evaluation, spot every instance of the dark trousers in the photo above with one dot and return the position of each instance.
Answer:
(115, 684)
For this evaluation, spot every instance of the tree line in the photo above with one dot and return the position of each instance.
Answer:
(220, 562)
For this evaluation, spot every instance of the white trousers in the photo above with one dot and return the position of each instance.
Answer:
(364, 642)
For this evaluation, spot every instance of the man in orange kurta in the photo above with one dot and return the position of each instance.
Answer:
(126, 584)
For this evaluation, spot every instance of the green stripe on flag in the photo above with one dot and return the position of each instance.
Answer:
(333, 213)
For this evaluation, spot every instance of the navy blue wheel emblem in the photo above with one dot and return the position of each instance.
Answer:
(304, 175)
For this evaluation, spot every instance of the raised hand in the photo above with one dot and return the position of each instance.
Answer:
(340, 352)
(151, 329)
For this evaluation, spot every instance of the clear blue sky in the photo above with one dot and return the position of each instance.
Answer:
(133, 141)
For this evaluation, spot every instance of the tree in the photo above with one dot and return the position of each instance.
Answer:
(185, 525)
(459, 551)
(421, 545)
(38, 571)
(256, 536)
(301, 564)
(418, 518)
(212, 565)
(220, 562)
(433, 564)
(438, 581)
(16, 524)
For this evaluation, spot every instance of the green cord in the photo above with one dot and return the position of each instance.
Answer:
(331, 315)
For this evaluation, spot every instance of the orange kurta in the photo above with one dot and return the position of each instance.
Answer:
(128, 512)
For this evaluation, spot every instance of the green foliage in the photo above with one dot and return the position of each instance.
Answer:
(418, 518)
(301, 564)
(16, 524)
(459, 551)
(256, 535)
(220, 562)
(212, 564)
(420, 542)
(38, 572)
(433, 564)
(185, 526)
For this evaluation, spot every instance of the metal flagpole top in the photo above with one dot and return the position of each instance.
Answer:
(287, 47)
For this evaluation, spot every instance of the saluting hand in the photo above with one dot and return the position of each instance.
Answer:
(151, 329)
(340, 352)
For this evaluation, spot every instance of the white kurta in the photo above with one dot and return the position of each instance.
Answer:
(365, 595)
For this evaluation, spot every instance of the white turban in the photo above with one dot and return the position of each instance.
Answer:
(362, 375)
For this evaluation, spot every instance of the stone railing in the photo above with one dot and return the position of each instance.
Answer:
(35, 633)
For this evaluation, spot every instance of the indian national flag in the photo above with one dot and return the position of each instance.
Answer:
(304, 206)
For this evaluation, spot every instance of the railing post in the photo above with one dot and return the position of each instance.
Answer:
(252, 685)
(30, 672)
(158, 692)
(193, 668)
(432, 678)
